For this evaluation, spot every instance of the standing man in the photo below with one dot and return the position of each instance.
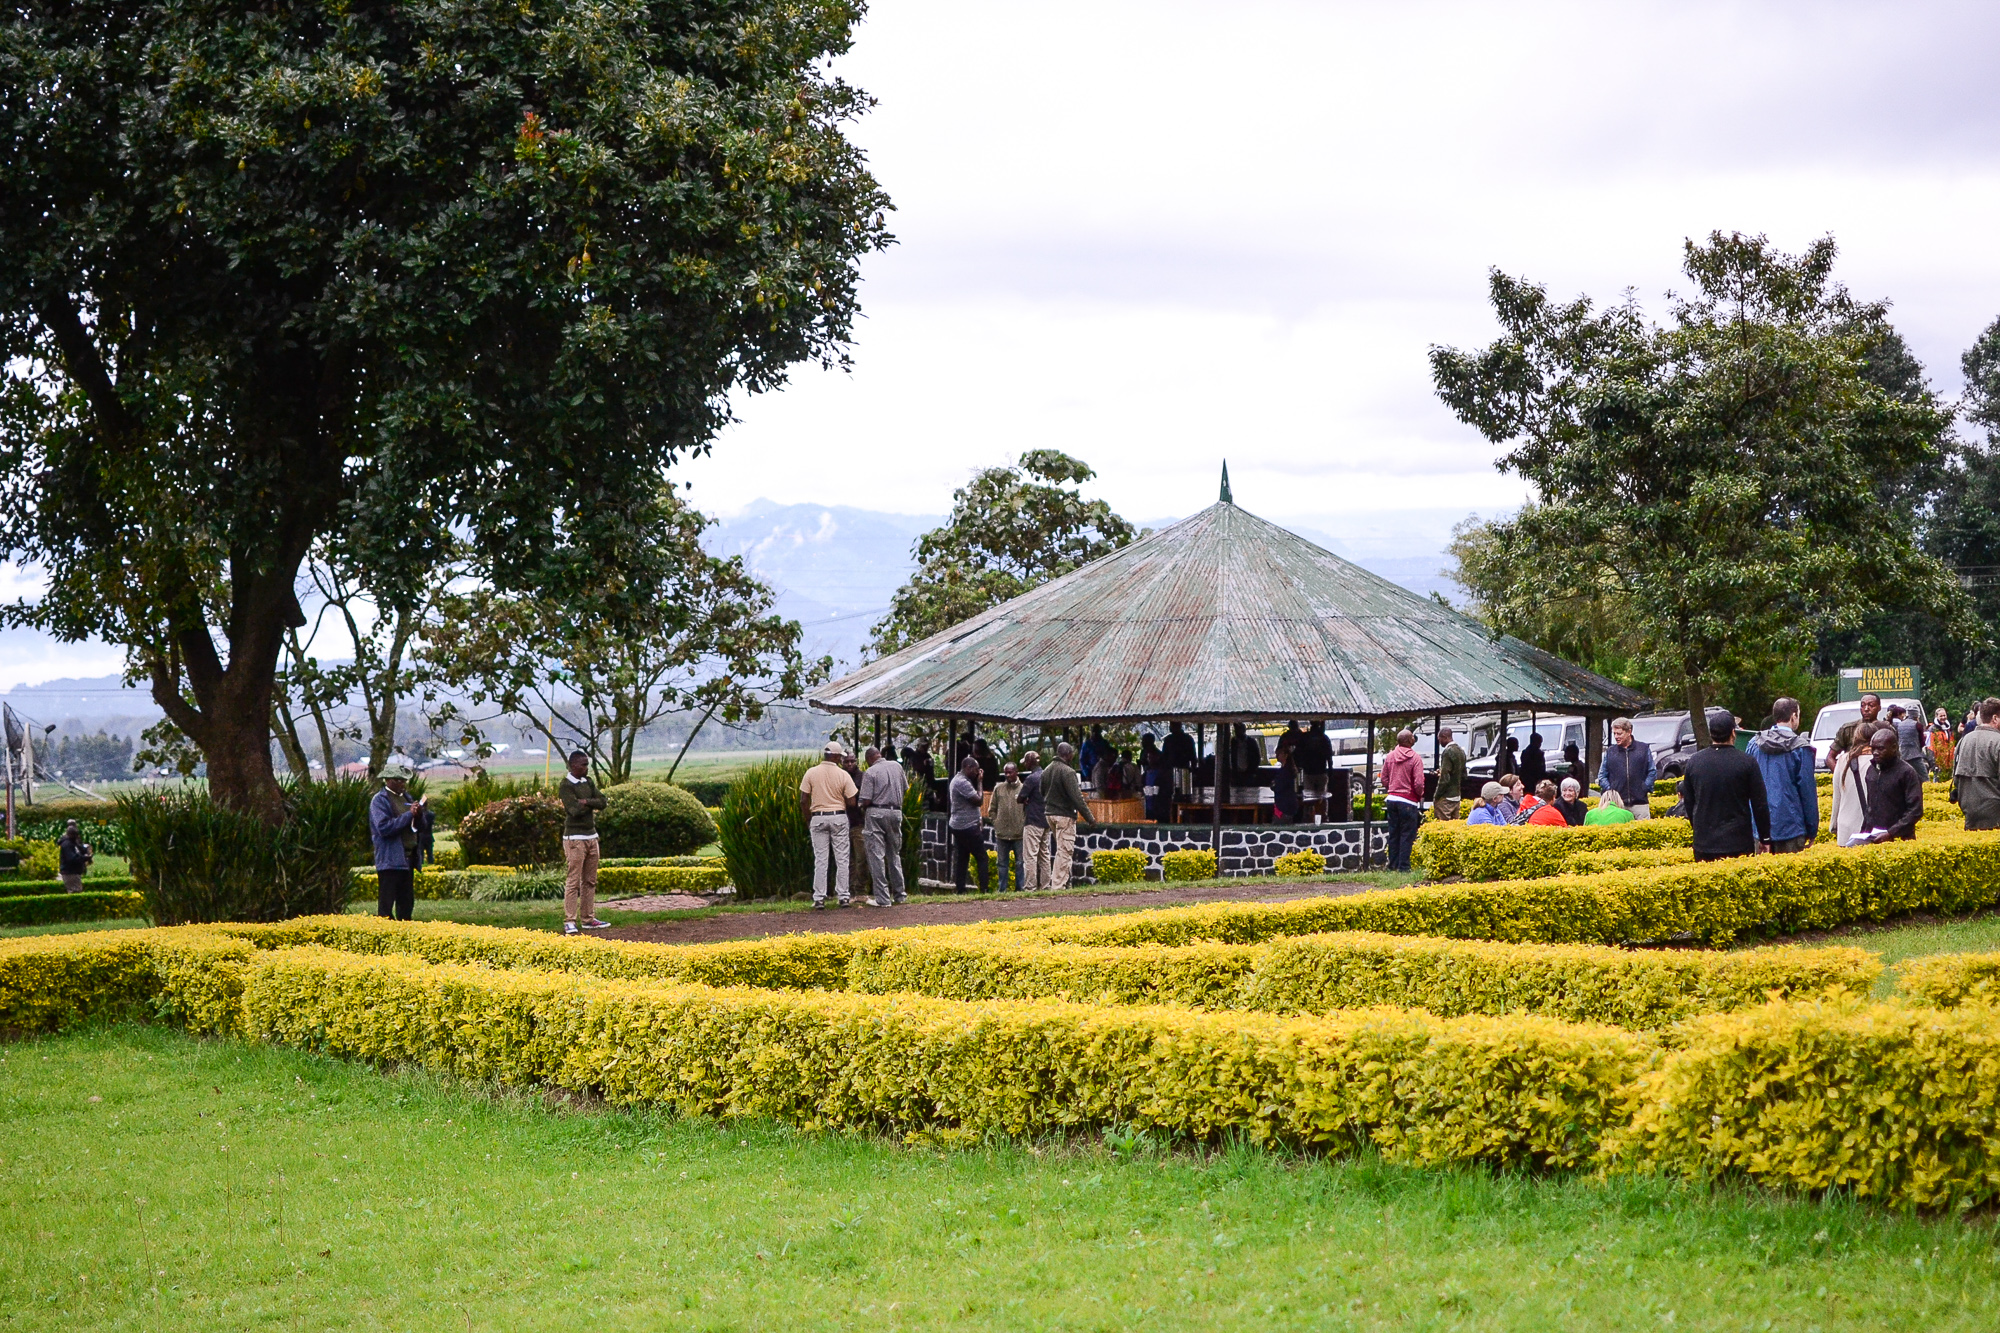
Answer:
(1534, 768)
(1628, 769)
(1871, 715)
(1976, 769)
(395, 825)
(1095, 749)
(826, 794)
(968, 834)
(580, 801)
(1010, 823)
(1788, 767)
(881, 793)
(1909, 737)
(1403, 789)
(1063, 805)
(1451, 776)
(1895, 792)
(1178, 748)
(73, 857)
(1725, 797)
(1034, 826)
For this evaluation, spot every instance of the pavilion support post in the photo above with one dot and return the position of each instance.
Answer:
(1368, 801)
(1437, 756)
(1500, 769)
(1215, 810)
(1593, 750)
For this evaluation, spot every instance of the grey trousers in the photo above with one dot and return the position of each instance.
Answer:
(882, 831)
(829, 837)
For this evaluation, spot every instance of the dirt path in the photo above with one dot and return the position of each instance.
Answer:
(750, 925)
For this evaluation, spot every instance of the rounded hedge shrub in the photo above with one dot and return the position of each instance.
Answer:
(516, 831)
(652, 819)
(1187, 865)
(1303, 862)
(1125, 865)
(762, 833)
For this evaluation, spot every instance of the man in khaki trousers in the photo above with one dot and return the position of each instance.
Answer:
(1062, 806)
(581, 801)
(1035, 826)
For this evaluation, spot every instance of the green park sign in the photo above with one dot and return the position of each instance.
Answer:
(1901, 682)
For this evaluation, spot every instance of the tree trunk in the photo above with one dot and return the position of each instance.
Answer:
(1697, 701)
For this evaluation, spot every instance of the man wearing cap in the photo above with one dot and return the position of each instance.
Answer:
(826, 794)
(396, 824)
(580, 801)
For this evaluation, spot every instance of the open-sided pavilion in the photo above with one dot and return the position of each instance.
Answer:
(1221, 618)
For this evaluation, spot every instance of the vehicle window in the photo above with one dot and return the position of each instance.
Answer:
(1832, 718)
(1660, 731)
(1573, 735)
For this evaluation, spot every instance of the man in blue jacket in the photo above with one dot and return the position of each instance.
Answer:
(396, 824)
(1628, 769)
(1786, 762)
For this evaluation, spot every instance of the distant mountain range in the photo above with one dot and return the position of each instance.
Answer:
(835, 568)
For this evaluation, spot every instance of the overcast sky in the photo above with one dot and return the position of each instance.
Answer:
(1158, 235)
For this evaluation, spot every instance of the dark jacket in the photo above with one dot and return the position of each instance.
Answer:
(1724, 794)
(1895, 797)
(1062, 793)
(1786, 762)
(1451, 772)
(580, 801)
(1573, 812)
(1534, 766)
(1627, 771)
(1031, 800)
(72, 854)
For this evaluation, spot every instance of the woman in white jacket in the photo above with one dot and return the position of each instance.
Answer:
(1850, 790)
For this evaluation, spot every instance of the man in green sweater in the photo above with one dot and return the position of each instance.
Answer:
(1063, 805)
(1450, 775)
(581, 801)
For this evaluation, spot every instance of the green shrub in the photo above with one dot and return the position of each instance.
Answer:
(196, 860)
(693, 862)
(38, 858)
(446, 885)
(97, 821)
(513, 831)
(43, 909)
(22, 888)
(1448, 849)
(711, 792)
(1299, 864)
(762, 833)
(1123, 866)
(1951, 979)
(1625, 858)
(1187, 865)
(661, 879)
(528, 886)
(652, 819)
(452, 806)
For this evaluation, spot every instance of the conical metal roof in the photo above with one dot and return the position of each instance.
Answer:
(1221, 617)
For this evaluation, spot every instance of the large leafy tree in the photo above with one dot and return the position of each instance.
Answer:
(676, 633)
(1708, 483)
(380, 273)
(1011, 529)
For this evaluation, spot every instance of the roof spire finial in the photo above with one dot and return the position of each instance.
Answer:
(1225, 496)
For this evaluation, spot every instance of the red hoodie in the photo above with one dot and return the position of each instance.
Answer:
(1403, 774)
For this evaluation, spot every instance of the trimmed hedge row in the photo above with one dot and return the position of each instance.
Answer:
(22, 888)
(660, 879)
(1948, 980)
(1625, 858)
(1118, 866)
(1187, 865)
(1450, 850)
(1897, 1104)
(1319, 973)
(1711, 902)
(43, 909)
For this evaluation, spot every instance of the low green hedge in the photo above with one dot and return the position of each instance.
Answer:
(1452, 850)
(1121, 866)
(1187, 865)
(44, 909)
(22, 888)
(660, 879)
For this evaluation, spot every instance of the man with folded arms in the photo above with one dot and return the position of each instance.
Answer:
(580, 801)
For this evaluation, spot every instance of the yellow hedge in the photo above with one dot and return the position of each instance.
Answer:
(1125, 865)
(1638, 989)
(1187, 865)
(1712, 902)
(1517, 1090)
(1635, 989)
(1951, 979)
(661, 879)
(47, 981)
(1897, 1104)
(1450, 850)
(1300, 864)
(1625, 858)
(783, 961)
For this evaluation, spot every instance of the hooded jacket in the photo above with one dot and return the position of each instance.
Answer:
(1787, 763)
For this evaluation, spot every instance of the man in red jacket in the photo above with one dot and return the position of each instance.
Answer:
(1403, 786)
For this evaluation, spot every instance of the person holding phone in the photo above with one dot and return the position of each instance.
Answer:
(73, 857)
(397, 824)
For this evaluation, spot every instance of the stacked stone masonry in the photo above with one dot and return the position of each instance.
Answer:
(1247, 849)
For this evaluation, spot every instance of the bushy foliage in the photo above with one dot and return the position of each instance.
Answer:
(452, 806)
(1452, 850)
(1186, 865)
(41, 909)
(38, 858)
(99, 826)
(762, 833)
(528, 886)
(652, 819)
(1302, 863)
(196, 860)
(1121, 866)
(515, 831)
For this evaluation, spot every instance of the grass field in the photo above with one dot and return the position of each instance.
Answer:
(154, 1181)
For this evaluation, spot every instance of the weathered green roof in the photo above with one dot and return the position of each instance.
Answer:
(1221, 617)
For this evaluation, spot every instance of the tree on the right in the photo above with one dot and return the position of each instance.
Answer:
(1716, 477)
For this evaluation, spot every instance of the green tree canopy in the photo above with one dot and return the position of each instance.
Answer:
(676, 632)
(1707, 499)
(1011, 529)
(381, 274)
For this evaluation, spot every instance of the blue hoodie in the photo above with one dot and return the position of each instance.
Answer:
(1786, 762)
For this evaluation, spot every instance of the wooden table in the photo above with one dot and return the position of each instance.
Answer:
(1201, 812)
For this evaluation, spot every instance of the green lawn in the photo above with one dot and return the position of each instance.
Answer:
(153, 1181)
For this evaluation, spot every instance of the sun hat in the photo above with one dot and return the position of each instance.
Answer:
(396, 766)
